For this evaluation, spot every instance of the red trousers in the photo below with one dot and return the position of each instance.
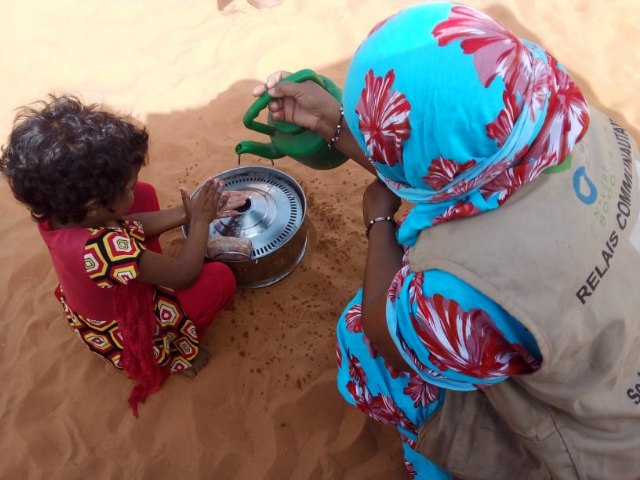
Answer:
(216, 284)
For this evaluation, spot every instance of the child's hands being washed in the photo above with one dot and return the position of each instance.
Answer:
(212, 194)
(182, 270)
(206, 202)
(234, 201)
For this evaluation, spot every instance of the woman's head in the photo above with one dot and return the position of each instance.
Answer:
(456, 113)
(63, 156)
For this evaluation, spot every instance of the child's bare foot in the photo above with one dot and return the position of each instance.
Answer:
(197, 364)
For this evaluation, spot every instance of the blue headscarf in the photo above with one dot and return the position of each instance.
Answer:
(456, 113)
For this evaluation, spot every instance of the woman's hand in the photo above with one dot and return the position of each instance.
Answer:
(379, 201)
(306, 104)
(309, 105)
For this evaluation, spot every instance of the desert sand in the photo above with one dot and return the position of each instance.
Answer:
(267, 406)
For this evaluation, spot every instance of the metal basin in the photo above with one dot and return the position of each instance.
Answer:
(273, 219)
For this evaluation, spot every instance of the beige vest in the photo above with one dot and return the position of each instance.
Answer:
(563, 257)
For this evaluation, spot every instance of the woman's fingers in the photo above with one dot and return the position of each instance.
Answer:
(276, 105)
(270, 82)
(275, 77)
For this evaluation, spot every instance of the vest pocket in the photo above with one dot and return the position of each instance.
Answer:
(533, 426)
(467, 438)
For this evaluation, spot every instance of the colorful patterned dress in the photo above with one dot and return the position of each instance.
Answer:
(109, 258)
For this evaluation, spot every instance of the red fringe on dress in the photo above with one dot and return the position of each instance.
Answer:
(134, 306)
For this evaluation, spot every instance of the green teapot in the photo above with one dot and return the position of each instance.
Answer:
(287, 139)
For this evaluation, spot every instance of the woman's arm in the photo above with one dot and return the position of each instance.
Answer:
(504, 339)
(384, 260)
(346, 142)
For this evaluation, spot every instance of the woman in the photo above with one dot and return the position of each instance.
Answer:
(495, 327)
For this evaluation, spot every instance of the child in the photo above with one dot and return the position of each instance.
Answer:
(76, 168)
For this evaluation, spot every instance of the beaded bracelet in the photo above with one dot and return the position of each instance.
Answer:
(336, 134)
(376, 220)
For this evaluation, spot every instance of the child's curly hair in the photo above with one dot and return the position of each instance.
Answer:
(66, 154)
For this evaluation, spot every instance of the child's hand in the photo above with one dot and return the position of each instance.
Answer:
(234, 201)
(230, 200)
(206, 202)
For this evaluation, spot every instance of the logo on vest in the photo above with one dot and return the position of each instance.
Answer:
(585, 190)
(621, 213)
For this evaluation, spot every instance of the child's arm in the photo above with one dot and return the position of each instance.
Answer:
(183, 270)
(160, 221)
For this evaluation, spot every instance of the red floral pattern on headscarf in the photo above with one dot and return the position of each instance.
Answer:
(465, 186)
(443, 171)
(500, 129)
(384, 118)
(496, 51)
(460, 209)
(421, 392)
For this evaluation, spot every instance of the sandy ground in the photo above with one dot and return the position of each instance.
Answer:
(267, 406)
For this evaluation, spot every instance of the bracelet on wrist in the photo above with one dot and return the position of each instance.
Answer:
(336, 133)
(376, 220)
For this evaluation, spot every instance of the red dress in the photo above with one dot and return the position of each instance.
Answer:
(91, 263)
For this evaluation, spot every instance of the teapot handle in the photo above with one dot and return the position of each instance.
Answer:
(263, 100)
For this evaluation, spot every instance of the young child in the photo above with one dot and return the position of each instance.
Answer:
(76, 168)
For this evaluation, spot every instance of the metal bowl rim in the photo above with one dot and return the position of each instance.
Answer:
(269, 170)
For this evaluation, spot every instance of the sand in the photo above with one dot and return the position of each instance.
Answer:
(267, 406)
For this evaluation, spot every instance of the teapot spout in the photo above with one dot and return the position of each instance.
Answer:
(265, 150)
